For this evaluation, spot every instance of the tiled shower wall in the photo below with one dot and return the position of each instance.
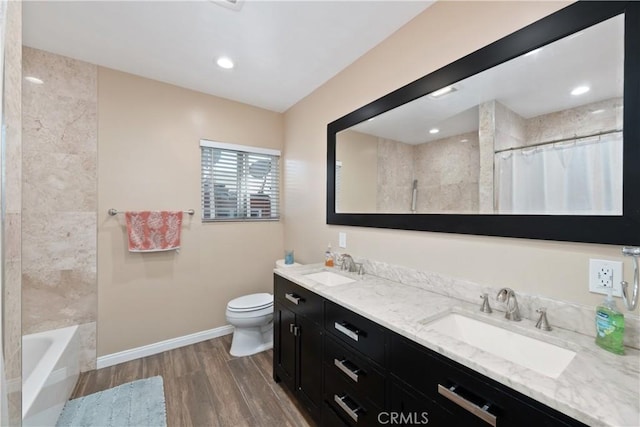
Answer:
(456, 174)
(12, 338)
(59, 178)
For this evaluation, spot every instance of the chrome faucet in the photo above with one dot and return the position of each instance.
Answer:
(508, 295)
(542, 322)
(348, 264)
(485, 307)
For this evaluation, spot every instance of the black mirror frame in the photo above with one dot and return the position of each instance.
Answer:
(621, 230)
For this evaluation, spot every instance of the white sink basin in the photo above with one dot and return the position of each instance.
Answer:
(539, 356)
(328, 278)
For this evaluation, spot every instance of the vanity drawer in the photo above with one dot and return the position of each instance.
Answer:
(351, 406)
(411, 408)
(353, 329)
(330, 417)
(298, 299)
(461, 390)
(343, 362)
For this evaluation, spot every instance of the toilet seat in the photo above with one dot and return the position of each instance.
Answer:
(252, 302)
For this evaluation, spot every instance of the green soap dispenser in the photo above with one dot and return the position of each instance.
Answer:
(610, 326)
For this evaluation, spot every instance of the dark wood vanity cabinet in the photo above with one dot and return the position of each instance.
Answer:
(354, 359)
(349, 371)
(297, 350)
(465, 395)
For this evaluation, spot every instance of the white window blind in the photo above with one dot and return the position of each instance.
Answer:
(239, 183)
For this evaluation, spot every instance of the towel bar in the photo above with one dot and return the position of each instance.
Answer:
(113, 212)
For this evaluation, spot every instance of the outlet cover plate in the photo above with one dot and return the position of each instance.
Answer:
(602, 274)
(342, 239)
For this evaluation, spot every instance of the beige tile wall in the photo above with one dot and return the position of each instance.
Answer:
(59, 161)
(447, 171)
(12, 336)
(575, 122)
(396, 170)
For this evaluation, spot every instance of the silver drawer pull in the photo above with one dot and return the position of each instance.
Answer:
(294, 329)
(341, 403)
(294, 299)
(342, 327)
(353, 374)
(479, 412)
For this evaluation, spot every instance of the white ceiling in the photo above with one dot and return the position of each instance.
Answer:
(283, 50)
(531, 85)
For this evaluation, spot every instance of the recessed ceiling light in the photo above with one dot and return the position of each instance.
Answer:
(224, 62)
(441, 92)
(464, 140)
(580, 90)
(33, 80)
(434, 130)
(601, 110)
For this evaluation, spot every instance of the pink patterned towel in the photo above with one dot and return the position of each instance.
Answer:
(154, 231)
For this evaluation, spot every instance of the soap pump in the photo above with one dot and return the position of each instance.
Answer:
(610, 326)
(328, 257)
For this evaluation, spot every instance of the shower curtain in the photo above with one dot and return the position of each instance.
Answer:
(578, 177)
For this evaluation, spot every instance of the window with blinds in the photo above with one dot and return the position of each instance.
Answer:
(239, 183)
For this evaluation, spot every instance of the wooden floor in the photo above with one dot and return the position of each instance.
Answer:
(205, 386)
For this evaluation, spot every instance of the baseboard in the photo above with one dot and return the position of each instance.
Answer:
(159, 347)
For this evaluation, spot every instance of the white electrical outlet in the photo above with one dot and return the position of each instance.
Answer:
(342, 239)
(605, 275)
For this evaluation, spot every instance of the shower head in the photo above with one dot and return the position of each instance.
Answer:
(631, 251)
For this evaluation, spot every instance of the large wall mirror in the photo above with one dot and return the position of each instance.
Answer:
(536, 135)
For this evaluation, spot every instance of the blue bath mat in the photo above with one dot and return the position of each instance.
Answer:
(138, 403)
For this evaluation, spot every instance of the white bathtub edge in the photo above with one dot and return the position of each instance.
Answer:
(43, 373)
(159, 347)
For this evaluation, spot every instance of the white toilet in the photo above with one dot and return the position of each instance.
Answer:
(252, 318)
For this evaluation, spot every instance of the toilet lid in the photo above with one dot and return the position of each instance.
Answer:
(251, 302)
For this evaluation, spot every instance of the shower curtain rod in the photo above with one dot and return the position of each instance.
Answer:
(113, 212)
(555, 141)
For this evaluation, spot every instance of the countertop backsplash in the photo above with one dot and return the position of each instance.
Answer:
(562, 314)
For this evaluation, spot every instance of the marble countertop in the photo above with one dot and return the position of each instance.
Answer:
(597, 388)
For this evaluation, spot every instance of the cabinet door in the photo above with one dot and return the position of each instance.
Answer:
(285, 345)
(310, 364)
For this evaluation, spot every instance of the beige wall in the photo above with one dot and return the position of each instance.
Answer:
(554, 269)
(149, 158)
(358, 153)
(59, 178)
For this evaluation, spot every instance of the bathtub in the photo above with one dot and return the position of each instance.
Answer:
(50, 370)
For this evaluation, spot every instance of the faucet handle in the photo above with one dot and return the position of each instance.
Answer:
(542, 322)
(360, 267)
(485, 307)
